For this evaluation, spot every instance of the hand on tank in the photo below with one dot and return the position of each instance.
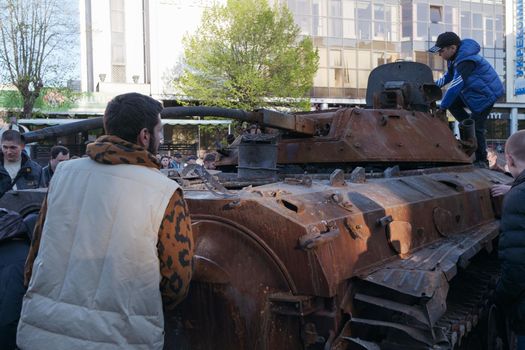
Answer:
(499, 190)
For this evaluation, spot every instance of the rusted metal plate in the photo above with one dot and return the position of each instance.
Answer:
(444, 221)
(430, 140)
(400, 236)
(228, 306)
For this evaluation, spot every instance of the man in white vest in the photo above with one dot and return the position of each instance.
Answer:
(113, 242)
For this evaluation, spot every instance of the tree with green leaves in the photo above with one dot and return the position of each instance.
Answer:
(247, 54)
(32, 32)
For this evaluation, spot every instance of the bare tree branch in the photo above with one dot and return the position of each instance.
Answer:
(31, 31)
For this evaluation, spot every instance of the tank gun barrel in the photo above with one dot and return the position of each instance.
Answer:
(264, 117)
(64, 129)
(203, 111)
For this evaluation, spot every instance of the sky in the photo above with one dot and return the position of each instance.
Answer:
(66, 58)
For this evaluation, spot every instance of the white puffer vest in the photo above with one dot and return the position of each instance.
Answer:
(95, 282)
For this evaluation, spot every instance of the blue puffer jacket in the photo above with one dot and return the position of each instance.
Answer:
(481, 89)
(30, 173)
(510, 292)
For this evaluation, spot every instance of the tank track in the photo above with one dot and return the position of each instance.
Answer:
(434, 299)
(463, 326)
(468, 300)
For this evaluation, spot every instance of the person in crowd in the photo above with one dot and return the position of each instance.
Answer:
(472, 83)
(113, 244)
(15, 238)
(230, 138)
(209, 161)
(510, 290)
(17, 170)
(495, 163)
(176, 161)
(191, 160)
(253, 129)
(165, 162)
(58, 155)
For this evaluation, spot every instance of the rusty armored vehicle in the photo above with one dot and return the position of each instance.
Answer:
(356, 228)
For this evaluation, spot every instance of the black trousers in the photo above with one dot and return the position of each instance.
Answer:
(457, 108)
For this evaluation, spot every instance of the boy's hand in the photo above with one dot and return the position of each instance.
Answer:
(499, 190)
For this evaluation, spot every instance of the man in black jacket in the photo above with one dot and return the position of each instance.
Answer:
(17, 171)
(15, 237)
(510, 291)
(58, 154)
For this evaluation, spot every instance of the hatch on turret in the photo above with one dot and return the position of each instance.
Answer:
(406, 85)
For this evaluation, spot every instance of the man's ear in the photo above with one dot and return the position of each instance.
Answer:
(143, 138)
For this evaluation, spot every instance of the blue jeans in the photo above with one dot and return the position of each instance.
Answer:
(457, 108)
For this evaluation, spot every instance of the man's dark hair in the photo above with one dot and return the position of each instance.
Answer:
(13, 136)
(56, 150)
(127, 114)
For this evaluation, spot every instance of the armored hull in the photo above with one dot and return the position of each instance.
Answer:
(342, 266)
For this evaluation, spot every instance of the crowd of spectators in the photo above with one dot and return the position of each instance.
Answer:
(177, 162)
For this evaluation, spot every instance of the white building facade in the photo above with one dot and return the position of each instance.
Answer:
(134, 45)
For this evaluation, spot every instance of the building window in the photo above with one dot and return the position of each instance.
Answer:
(436, 14)
(379, 12)
(118, 52)
(422, 12)
(335, 8)
(349, 29)
(118, 73)
(335, 58)
(363, 30)
(465, 19)
(450, 15)
(477, 21)
(335, 28)
(364, 10)
(406, 20)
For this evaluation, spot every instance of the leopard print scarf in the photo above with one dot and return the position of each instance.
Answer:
(108, 149)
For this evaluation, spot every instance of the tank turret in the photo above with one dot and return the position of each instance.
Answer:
(398, 127)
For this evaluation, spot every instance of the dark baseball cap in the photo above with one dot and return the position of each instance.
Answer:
(444, 40)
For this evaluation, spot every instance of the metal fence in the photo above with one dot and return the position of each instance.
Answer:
(185, 149)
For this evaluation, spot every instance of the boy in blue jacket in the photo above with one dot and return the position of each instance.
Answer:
(472, 83)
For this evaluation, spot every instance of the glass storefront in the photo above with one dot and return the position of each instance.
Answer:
(354, 37)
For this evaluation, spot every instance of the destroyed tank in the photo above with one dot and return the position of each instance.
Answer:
(355, 228)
